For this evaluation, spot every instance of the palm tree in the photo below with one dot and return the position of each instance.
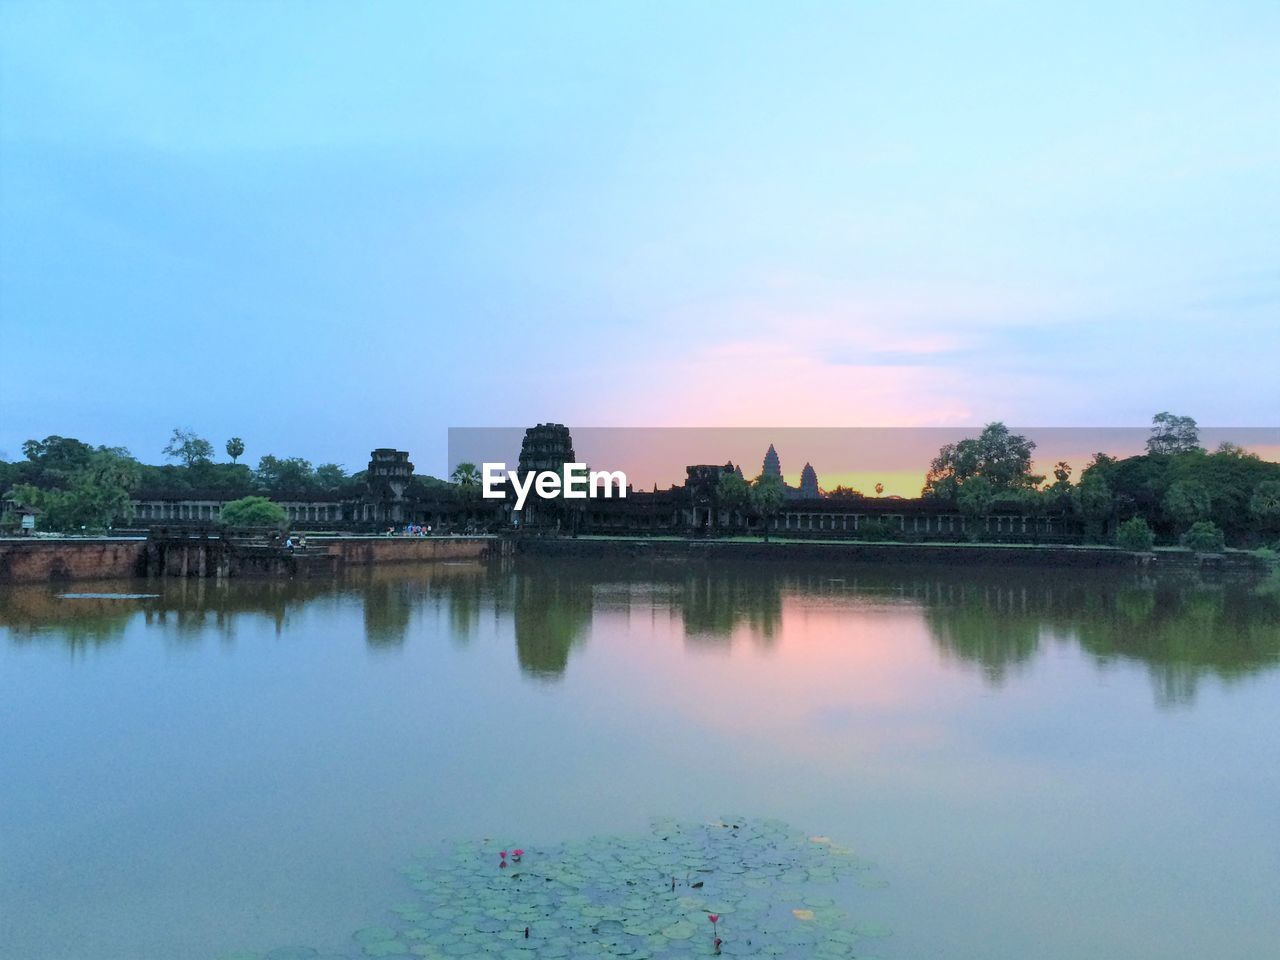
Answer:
(767, 495)
(465, 475)
(235, 448)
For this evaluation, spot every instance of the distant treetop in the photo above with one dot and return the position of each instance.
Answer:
(1172, 434)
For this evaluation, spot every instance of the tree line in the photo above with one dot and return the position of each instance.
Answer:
(76, 485)
(1175, 492)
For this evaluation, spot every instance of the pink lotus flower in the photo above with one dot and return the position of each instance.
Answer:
(517, 854)
(502, 854)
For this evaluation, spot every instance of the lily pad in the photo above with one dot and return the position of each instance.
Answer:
(644, 897)
(872, 930)
(680, 930)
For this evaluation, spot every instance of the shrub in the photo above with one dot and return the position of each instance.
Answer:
(253, 512)
(1204, 537)
(1135, 535)
(876, 529)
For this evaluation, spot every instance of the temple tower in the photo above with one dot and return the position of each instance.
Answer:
(772, 465)
(548, 446)
(809, 483)
(386, 479)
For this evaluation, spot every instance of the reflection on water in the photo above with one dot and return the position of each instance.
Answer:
(1182, 627)
(551, 611)
(237, 764)
(717, 604)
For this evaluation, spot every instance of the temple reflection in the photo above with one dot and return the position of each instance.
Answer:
(1184, 630)
(551, 613)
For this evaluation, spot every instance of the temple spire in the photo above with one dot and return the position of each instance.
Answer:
(772, 465)
(809, 483)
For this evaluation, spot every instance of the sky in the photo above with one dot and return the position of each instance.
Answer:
(331, 227)
(896, 458)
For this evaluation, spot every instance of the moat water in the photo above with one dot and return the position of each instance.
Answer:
(1045, 764)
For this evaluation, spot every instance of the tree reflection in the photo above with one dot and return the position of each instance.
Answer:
(1181, 628)
(189, 610)
(715, 603)
(976, 630)
(391, 594)
(34, 614)
(1185, 632)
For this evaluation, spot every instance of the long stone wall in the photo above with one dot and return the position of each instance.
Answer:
(956, 555)
(361, 550)
(39, 561)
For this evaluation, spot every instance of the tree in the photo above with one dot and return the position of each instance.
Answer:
(734, 494)
(1135, 535)
(1059, 492)
(51, 462)
(974, 500)
(235, 449)
(1264, 505)
(846, 493)
(188, 448)
(233, 478)
(330, 476)
(1101, 461)
(291, 474)
(1173, 435)
(1204, 537)
(877, 528)
(1228, 449)
(1185, 502)
(879, 489)
(767, 495)
(1002, 458)
(95, 497)
(1092, 500)
(54, 452)
(1029, 501)
(1172, 492)
(466, 474)
(253, 512)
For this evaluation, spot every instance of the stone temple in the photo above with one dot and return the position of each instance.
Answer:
(391, 494)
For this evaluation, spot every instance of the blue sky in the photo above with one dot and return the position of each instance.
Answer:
(326, 228)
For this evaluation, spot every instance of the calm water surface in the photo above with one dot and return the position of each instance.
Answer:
(1047, 764)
